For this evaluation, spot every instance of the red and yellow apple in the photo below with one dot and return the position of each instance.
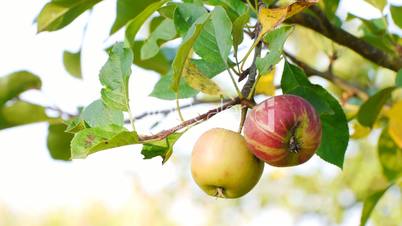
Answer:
(283, 130)
(222, 166)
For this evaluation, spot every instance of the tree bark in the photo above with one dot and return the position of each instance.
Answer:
(322, 25)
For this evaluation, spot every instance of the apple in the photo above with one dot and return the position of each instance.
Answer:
(222, 166)
(283, 130)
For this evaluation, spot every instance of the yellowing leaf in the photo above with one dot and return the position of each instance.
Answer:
(266, 85)
(360, 131)
(271, 18)
(198, 81)
(395, 123)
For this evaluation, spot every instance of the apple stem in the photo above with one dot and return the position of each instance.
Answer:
(219, 192)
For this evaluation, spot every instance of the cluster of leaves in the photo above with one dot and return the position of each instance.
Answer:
(375, 31)
(389, 143)
(211, 32)
(211, 36)
(100, 125)
(379, 111)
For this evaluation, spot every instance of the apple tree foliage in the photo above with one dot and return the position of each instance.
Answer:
(212, 34)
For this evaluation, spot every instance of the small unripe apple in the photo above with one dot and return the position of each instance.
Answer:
(222, 166)
(283, 130)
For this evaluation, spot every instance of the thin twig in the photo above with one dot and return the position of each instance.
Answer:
(243, 75)
(248, 90)
(165, 112)
(62, 113)
(252, 73)
(163, 134)
(58, 110)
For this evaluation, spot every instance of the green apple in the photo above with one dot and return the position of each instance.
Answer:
(222, 166)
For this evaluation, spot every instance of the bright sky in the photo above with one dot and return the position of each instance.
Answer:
(30, 181)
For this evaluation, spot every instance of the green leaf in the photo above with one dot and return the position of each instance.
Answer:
(127, 10)
(381, 42)
(135, 24)
(75, 125)
(369, 205)
(168, 10)
(237, 31)
(184, 49)
(59, 13)
(265, 64)
(155, 22)
(390, 156)
(398, 79)
(379, 4)
(396, 13)
(267, 2)
(311, 94)
(162, 89)
(293, 77)
(162, 148)
(375, 32)
(206, 45)
(330, 7)
(275, 40)
(159, 63)
(234, 8)
(164, 32)
(185, 15)
(370, 109)
(58, 142)
(99, 115)
(72, 63)
(223, 31)
(16, 83)
(209, 69)
(335, 132)
(91, 140)
(377, 26)
(21, 113)
(114, 76)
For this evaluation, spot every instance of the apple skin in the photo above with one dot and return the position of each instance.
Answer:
(222, 166)
(283, 130)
